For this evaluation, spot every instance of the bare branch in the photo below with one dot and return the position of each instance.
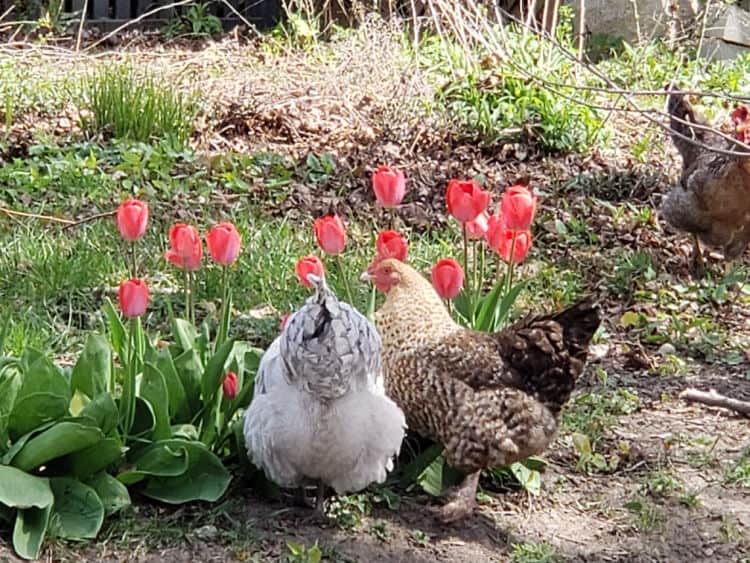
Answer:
(714, 399)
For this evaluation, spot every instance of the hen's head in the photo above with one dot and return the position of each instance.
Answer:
(387, 273)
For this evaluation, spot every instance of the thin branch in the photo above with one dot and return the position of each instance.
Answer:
(68, 223)
(714, 399)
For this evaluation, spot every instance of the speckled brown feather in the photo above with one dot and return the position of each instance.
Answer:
(490, 399)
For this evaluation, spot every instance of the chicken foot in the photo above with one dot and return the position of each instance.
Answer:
(697, 264)
(463, 500)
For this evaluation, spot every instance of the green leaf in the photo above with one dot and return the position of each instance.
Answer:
(154, 390)
(92, 372)
(179, 408)
(117, 335)
(8, 392)
(30, 530)
(487, 307)
(529, 479)
(113, 494)
(214, 374)
(18, 445)
(44, 396)
(95, 458)
(103, 410)
(145, 419)
(205, 477)
(160, 459)
(414, 468)
(190, 371)
(184, 334)
(431, 479)
(61, 439)
(21, 490)
(78, 512)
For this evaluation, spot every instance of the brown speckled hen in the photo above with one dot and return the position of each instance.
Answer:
(712, 199)
(490, 399)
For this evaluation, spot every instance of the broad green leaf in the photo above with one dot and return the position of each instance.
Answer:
(416, 467)
(144, 418)
(186, 431)
(190, 371)
(205, 477)
(160, 459)
(61, 439)
(117, 334)
(179, 408)
(18, 445)
(8, 392)
(438, 476)
(78, 512)
(487, 307)
(154, 390)
(506, 304)
(92, 371)
(214, 374)
(21, 490)
(103, 410)
(95, 458)
(184, 334)
(29, 357)
(44, 396)
(113, 494)
(30, 530)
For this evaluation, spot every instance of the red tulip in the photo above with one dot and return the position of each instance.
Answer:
(518, 208)
(502, 243)
(186, 249)
(447, 278)
(330, 232)
(477, 228)
(133, 296)
(390, 244)
(223, 242)
(230, 385)
(132, 219)
(389, 185)
(466, 199)
(309, 265)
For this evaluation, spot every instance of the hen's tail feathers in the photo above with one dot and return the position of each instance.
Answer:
(548, 353)
(681, 111)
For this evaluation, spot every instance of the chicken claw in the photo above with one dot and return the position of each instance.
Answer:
(463, 500)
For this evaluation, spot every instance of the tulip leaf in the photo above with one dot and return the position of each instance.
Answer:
(145, 420)
(205, 478)
(95, 458)
(18, 489)
(160, 459)
(154, 390)
(93, 370)
(113, 494)
(190, 371)
(179, 409)
(215, 372)
(61, 439)
(78, 512)
(103, 410)
(44, 396)
(438, 476)
(8, 391)
(30, 530)
(117, 334)
(184, 334)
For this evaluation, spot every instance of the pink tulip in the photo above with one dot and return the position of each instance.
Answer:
(186, 249)
(466, 199)
(229, 386)
(518, 207)
(132, 219)
(447, 278)
(477, 228)
(390, 244)
(133, 296)
(309, 265)
(389, 185)
(330, 233)
(223, 242)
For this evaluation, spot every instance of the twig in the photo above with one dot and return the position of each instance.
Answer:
(69, 223)
(581, 27)
(80, 25)
(714, 399)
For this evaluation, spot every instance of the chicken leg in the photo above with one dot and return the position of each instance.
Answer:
(320, 499)
(463, 501)
(697, 265)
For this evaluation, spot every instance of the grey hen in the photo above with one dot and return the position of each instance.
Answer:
(319, 411)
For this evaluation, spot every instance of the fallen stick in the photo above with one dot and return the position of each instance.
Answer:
(714, 399)
(68, 223)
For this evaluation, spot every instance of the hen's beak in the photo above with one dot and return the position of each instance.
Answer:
(365, 277)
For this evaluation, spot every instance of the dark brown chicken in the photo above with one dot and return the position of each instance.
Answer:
(712, 199)
(489, 399)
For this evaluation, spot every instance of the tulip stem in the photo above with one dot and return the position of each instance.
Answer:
(222, 336)
(135, 260)
(344, 279)
(466, 258)
(128, 392)
(511, 263)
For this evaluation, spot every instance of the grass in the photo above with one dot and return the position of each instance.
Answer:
(126, 103)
